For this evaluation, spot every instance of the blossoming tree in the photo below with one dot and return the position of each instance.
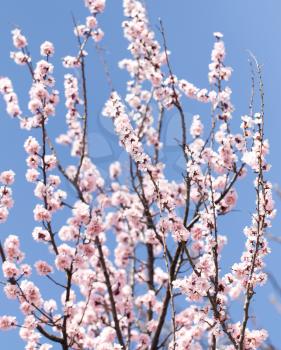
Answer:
(131, 248)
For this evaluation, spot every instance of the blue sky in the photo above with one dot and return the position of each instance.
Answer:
(246, 25)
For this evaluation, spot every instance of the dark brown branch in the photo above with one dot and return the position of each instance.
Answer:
(110, 292)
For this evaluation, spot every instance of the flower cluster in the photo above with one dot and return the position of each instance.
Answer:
(135, 256)
(128, 138)
(20, 42)
(85, 31)
(6, 200)
(146, 52)
(10, 97)
(74, 135)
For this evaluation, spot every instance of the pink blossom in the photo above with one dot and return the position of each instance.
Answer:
(3, 214)
(81, 30)
(97, 35)
(19, 40)
(43, 268)
(32, 175)
(41, 214)
(218, 35)
(45, 347)
(95, 6)
(7, 323)
(196, 128)
(50, 162)
(63, 261)
(39, 234)
(47, 49)
(81, 212)
(7, 177)
(70, 62)
(50, 305)
(31, 292)
(91, 22)
(25, 270)
(33, 161)
(11, 99)
(12, 247)
(115, 170)
(68, 233)
(20, 58)
(11, 291)
(10, 270)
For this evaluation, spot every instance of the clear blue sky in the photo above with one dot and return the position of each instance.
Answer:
(247, 25)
